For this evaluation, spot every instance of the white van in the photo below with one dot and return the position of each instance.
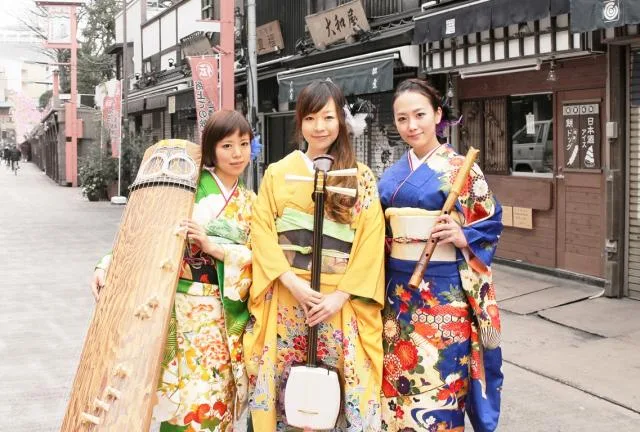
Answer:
(533, 152)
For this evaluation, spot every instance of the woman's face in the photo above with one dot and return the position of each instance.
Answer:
(321, 129)
(416, 120)
(232, 154)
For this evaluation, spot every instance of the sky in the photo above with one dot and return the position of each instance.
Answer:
(12, 9)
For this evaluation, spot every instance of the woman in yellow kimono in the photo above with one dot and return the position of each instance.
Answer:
(281, 302)
(203, 383)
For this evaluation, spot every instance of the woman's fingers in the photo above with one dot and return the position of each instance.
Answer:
(317, 317)
(315, 309)
(94, 290)
(315, 297)
(305, 309)
(315, 320)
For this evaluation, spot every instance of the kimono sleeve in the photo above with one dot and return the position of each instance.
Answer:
(483, 219)
(364, 277)
(236, 268)
(269, 262)
(482, 228)
(104, 262)
(237, 271)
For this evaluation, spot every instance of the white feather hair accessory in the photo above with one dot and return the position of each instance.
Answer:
(356, 124)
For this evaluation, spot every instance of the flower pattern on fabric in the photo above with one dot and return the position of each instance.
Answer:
(349, 341)
(433, 335)
(203, 382)
(367, 190)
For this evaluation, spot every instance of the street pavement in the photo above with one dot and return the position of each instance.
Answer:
(572, 357)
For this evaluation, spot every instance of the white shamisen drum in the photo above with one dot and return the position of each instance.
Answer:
(312, 398)
(411, 228)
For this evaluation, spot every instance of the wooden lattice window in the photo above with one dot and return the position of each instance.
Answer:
(485, 127)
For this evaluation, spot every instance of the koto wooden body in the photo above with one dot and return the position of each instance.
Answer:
(116, 381)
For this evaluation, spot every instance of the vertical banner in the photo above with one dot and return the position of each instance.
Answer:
(590, 136)
(204, 72)
(111, 92)
(582, 136)
(571, 117)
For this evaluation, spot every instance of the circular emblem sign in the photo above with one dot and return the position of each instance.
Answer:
(611, 11)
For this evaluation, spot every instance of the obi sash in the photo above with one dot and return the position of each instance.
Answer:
(295, 238)
(411, 228)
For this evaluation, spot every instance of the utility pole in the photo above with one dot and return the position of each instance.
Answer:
(125, 72)
(119, 199)
(252, 59)
(227, 57)
(252, 81)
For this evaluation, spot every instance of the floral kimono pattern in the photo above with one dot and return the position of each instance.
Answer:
(437, 337)
(203, 383)
(353, 260)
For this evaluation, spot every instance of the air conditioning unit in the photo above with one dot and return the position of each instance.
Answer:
(87, 100)
(83, 99)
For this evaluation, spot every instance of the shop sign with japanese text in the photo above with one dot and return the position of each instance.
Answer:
(338, 23)
(269, 38)
(581, 135)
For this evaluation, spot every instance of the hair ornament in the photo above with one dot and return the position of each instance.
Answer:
(445, 123)
(356, 124)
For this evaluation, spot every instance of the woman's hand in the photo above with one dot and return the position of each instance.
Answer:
(301, 290)
(446, 230)
(197, 234)
(97, 282)
(328, 307)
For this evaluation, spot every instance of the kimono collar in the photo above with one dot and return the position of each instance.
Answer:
(226, 193)
(414, 162)
(307, 161)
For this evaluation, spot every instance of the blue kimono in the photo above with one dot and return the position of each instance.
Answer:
(441, 341)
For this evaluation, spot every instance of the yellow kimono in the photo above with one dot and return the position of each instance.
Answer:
(353, 261)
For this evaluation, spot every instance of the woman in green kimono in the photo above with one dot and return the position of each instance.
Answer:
(203, 384)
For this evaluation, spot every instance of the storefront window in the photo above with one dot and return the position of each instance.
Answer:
(531, 131)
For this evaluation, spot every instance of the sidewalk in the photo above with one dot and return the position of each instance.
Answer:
(566, 331)
(50, 239)
(572, 367)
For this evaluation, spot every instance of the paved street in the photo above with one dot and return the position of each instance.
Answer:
(560, 375)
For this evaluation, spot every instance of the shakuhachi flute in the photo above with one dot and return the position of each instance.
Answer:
(449, 204)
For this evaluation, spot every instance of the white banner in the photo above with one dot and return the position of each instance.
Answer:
(59, 24)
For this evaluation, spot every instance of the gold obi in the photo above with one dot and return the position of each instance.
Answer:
(411, 228)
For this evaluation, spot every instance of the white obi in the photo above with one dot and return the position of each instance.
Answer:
(411, 228)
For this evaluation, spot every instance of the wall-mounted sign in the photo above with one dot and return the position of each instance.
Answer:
(338, 23)
(523, 217)
(59, 24)
(507, 216)
(269, 38)
(196, 44)
(531, 123)
(582, 135)
(450, 26)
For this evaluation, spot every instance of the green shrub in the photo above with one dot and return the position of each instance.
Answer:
(96, 171)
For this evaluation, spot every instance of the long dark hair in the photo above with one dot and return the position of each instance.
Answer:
(312, 99)
(221, 124)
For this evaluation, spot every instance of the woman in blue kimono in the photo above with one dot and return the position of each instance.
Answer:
(441, 341)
